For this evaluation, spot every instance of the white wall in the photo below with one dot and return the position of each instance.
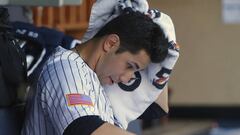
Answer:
(207, 72)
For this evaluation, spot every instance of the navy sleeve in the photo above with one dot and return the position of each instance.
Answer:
(84, 125)
(154, 111)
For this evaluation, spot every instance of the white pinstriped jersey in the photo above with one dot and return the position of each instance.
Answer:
(64, 73)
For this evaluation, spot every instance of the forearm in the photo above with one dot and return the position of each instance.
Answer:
(162, 99)
(109, 129)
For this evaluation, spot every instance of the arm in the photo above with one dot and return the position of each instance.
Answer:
(109, 129)
(158, 108)
(94, 125)
(162, 99)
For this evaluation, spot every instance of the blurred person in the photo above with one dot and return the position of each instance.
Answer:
(12, 77)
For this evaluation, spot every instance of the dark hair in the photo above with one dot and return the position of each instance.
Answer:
(137, 31)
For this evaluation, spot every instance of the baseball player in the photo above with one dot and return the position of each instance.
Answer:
(69, 97)
(146, 96)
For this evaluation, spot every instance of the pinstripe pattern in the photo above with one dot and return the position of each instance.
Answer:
(64, 73)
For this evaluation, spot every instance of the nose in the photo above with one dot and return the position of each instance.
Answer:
(126, 76)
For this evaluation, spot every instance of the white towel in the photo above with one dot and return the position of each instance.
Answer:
(130, 100)
(105, 10)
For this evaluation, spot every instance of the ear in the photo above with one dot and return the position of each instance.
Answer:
(112, 42)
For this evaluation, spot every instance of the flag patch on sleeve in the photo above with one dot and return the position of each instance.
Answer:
(78, 99)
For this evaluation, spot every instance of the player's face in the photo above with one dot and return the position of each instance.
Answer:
(120, 67)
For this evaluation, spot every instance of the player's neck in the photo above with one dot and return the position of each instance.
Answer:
(88, 51)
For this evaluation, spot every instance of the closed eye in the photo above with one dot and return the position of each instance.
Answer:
(132, 65)
(129, 66)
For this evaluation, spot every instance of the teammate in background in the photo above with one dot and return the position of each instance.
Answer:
(69, 98)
